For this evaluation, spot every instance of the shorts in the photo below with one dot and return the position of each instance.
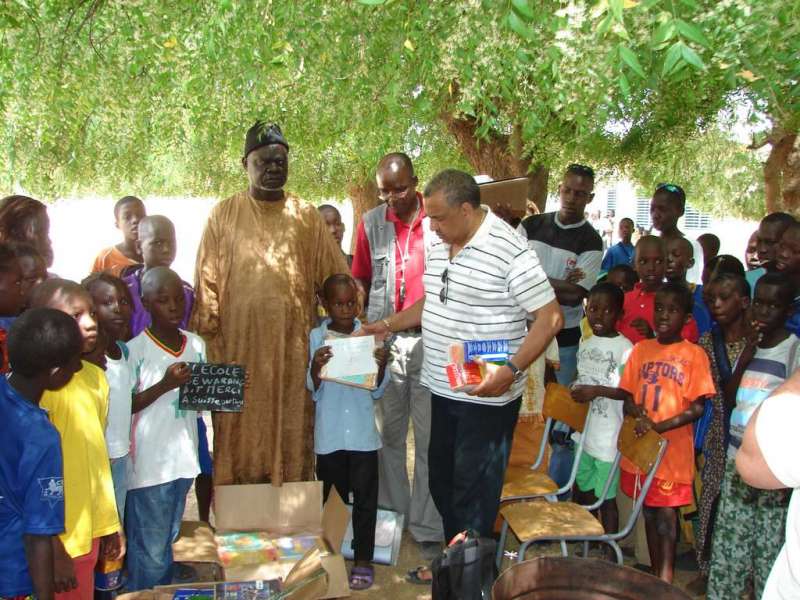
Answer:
(662, 493)
(203, 453)
(592, 475)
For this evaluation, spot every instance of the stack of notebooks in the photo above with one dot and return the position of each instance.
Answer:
(246, 590)
(463, 373)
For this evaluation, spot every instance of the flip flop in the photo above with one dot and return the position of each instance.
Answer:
(413, 577)
(362, 578)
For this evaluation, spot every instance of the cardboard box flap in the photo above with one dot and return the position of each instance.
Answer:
(289, 508)
(195, 543)
(512, 191)
(335, 518)
(338, 585)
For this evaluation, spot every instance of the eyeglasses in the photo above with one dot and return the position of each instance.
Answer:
(579, 169)
(443, 291)
(398, 193)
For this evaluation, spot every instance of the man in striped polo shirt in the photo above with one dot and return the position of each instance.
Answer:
(481, 283)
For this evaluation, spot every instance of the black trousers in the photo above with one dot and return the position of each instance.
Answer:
(357, 472)
(467, 460)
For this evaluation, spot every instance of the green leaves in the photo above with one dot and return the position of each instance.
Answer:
(629, 58)
(691, 57)
(523, 9)
(519, 27)
(160, 101)
(693, 33)
(672, 59)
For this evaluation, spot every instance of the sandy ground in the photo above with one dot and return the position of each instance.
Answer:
(390, 581)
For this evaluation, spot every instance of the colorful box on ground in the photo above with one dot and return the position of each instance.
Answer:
(265, 533)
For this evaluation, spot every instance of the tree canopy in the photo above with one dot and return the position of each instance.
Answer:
(146, 96)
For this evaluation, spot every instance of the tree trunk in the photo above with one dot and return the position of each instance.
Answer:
(776, 176)
(498, 156)
(791, 180)
(364, 196)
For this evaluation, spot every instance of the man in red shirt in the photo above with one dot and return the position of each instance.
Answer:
(389, 262)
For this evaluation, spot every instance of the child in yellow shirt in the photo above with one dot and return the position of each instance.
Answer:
(78, 411)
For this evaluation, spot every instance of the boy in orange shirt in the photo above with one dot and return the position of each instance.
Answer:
(128, 211)
(665, 385)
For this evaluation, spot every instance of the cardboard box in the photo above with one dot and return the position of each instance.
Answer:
(293, 508)
(513, 192)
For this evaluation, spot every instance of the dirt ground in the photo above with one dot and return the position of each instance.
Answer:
(390, 581)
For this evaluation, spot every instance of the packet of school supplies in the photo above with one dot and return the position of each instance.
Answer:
(193, 594)
(353, 362)
(263, 589)
(463, 373)
(256, 547)
(493, 351)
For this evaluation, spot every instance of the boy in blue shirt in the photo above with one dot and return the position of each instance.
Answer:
(620, 253)
(346, 439)
(44, 350)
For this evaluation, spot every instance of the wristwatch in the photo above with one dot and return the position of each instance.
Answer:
(515, 371)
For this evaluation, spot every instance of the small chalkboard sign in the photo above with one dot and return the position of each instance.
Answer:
(213, 387)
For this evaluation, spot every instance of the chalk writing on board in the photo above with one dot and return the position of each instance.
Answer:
(215, 387)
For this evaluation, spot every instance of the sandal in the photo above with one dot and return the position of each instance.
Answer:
(415, 577)
(362, 578)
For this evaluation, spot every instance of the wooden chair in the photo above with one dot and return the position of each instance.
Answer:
(565, 522)
(528, 482)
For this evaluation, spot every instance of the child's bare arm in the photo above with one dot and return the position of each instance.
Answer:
(39, 554)
(587, 393)
(692, 413)
(321, 358)
(176, 375)
(381, 357)
(732, 385)
(64, 579)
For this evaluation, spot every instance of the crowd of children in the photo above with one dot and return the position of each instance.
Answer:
(105, 468)
(99, 457)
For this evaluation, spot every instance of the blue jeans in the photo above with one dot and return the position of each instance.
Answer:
(563, 454)
(153, 519)
(119, 475)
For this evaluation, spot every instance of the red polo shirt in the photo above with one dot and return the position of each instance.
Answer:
(639, 304)
(414, 266)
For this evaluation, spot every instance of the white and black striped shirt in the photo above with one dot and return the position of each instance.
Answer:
(491, 286)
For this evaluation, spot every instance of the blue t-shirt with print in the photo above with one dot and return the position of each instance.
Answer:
(31, 485)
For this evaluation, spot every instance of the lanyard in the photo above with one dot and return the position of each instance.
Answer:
(404, 258)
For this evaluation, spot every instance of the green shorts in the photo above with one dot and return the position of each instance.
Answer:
(592, 475)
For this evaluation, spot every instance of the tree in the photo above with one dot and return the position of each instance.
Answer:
(153, 96)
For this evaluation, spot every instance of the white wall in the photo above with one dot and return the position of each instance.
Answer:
(81, 227)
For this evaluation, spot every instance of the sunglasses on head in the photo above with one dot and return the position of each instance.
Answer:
(671, 188)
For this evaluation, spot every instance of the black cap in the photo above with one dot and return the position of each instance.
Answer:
(262, 134)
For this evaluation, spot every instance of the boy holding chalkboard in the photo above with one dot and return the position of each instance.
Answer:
(163, 458)
(346, 439)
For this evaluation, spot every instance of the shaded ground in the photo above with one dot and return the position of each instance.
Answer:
(390, 581)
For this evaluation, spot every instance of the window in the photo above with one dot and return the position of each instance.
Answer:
(643, 213)
(611, 199)
(694, 219)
